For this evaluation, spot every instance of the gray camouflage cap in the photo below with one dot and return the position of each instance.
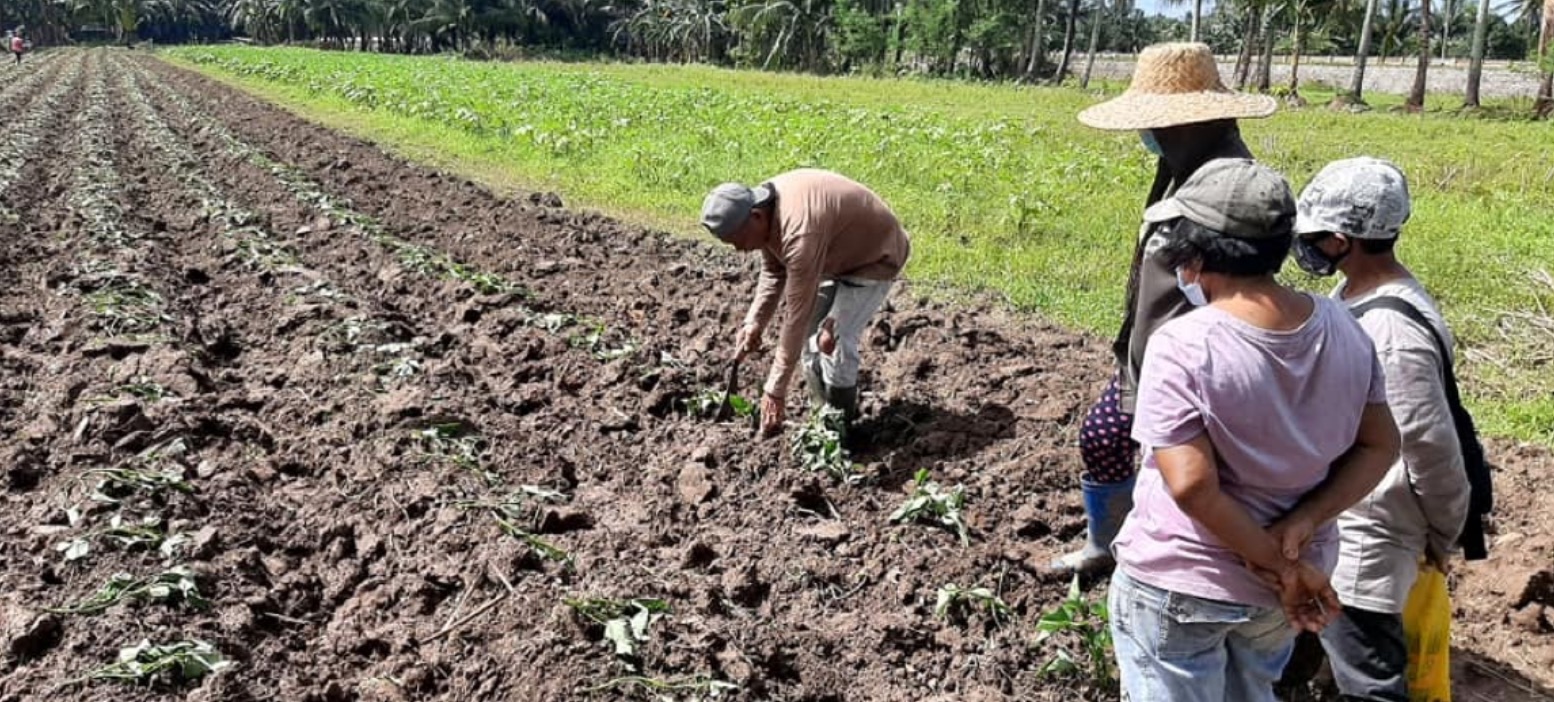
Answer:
(1361, 198)
(1237, 197)
(727, 207)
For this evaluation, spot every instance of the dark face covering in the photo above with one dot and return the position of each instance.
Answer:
(1312, 259)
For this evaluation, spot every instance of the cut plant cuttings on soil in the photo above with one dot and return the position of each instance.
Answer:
(162, 664)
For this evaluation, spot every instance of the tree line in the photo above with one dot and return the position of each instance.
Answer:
(1034, 40)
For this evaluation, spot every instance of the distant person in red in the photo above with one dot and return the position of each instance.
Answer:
(18, 47)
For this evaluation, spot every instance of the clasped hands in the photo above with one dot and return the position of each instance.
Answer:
(1305, 593)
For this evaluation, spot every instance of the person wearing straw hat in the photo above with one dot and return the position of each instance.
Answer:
(1186, 116)
(830, 251)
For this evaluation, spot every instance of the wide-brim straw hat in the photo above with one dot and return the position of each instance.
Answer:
(1175, 84)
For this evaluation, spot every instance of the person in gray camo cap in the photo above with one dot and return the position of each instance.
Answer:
(1349, 219)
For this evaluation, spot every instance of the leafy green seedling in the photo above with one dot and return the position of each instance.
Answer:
(954, 600)
(705, 404)
(1085, 626)
(931, 503)
(626, 622)
(172, 586)
(817, 446)
(150, 664)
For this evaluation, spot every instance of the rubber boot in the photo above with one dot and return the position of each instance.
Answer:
(815, 384)
(844, 399)
(1106, 506)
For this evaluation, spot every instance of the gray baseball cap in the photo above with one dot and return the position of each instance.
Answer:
(1236, 197)
(728, 206)
(1362, 198)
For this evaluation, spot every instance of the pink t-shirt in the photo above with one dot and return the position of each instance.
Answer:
(1279, 407)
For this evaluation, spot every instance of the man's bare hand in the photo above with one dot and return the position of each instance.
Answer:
(773, 410)
(1308, 598)
(748, 340)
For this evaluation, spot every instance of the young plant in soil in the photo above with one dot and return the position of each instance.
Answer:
(932, 504)
(625, 622)
(521, 508)
(543, 548)
(125, 307)
(457, 444)
(147, 534)
(171, 587)
(705, 404)
(1078, 636)
(817, 446)
(146, 475)
(958, 603)
(146, 390)
(162, 664)
(697, 688)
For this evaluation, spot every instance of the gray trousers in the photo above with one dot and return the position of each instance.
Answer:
(852, 302)
(1368, 655)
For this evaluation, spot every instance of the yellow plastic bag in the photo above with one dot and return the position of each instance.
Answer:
(1427, 629)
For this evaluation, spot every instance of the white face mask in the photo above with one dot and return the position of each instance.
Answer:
(1192, 291)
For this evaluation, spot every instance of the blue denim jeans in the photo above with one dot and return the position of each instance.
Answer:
(1173, 647)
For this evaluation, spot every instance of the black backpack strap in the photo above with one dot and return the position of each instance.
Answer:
(1481, 485)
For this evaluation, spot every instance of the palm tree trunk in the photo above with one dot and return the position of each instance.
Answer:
(1298, 48)
(1038, 42)
(1248, 47)
(1416, 96)
(1095, 40)
(1476, 63)
(1545, 103)
(1070, 27)
(1448, 12)
(1197, 18)
(1357, 86)
(1265, 66)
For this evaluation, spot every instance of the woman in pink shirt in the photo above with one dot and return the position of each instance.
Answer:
(1262, 414)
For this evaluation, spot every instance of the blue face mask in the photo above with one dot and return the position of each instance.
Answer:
(1148, 137)
(1192, 291)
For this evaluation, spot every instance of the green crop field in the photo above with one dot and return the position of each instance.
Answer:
(1003, 191)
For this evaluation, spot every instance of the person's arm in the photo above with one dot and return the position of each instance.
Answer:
(1191, 475)
(768, 291)
(1353, 475)
(803, 259)
(1431, 454)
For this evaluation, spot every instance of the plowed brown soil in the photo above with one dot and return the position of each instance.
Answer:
(305, 348)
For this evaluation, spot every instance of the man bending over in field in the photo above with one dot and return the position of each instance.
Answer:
(831, 249)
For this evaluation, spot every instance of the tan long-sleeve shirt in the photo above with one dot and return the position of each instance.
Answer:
(824, 226)
(1423, 500)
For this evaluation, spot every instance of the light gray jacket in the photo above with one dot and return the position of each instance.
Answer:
(1423, 500)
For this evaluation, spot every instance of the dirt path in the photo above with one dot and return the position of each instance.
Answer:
(415, 418)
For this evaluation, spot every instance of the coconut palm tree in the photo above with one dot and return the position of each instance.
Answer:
(1476, 63)
(1544, 106)
(1356, 94)
(1416, 95)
